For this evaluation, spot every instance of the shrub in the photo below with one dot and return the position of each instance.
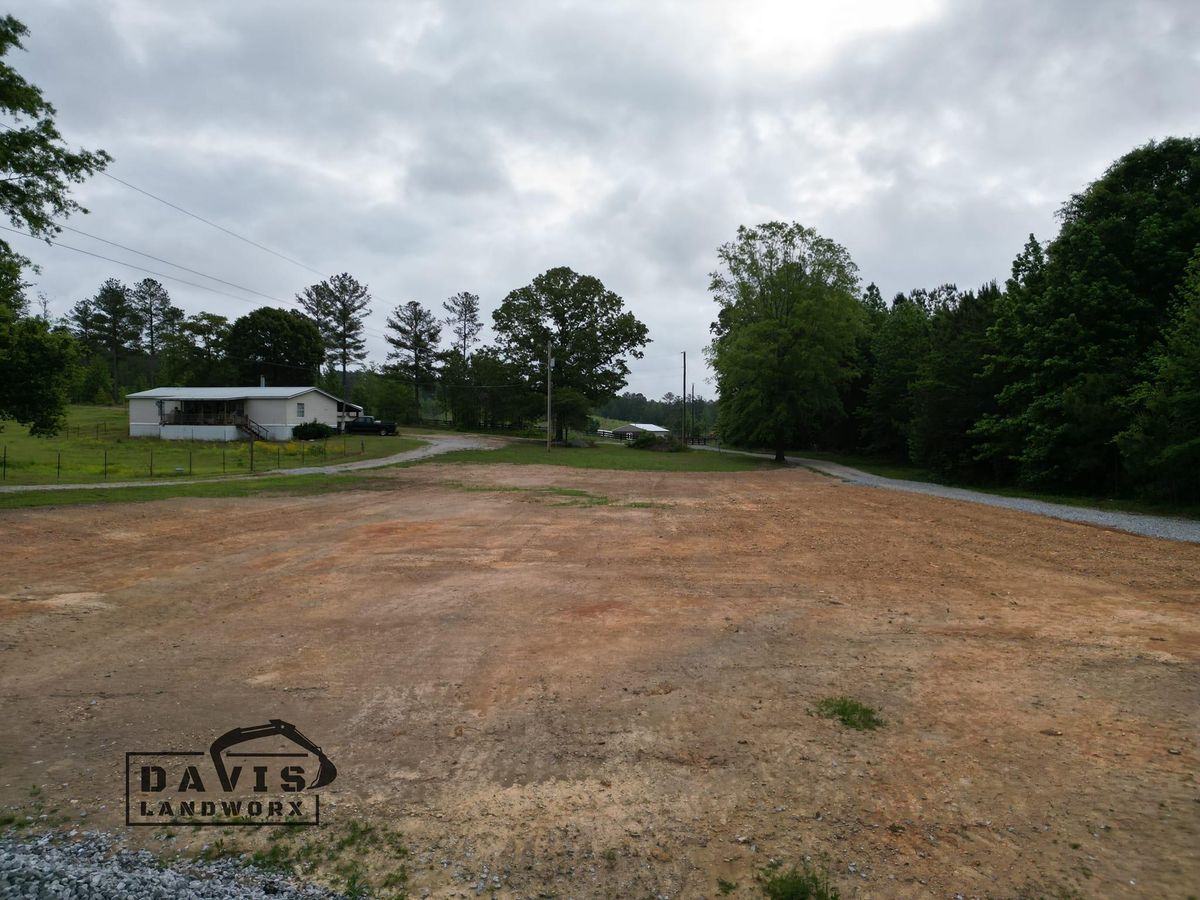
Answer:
(849, 712)
(653, 442)
(808, 883)
(313, 431)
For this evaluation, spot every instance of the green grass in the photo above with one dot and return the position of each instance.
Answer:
(849, 712)
(93, 433)
(298, 485)
(604, 456)
(804, 883)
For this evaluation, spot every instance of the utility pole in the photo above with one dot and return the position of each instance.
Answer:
(549, 375)
(683, 403)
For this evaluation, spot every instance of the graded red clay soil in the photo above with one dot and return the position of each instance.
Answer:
(614, 700)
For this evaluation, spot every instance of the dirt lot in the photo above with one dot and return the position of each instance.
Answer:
(604, 699)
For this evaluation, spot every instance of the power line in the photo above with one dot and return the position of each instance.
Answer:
(199, 218)
(130, 265)
(174, 265)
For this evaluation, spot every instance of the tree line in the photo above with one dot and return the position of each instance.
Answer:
(1080, 373)
(131, 337)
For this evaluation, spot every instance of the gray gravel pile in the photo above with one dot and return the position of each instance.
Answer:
(90, 869)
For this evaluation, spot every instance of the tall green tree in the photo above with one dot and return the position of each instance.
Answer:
(952, 390)
(462, 318)
(339, 305)
(414, 333)
(281, 345)
(506, 398)
(593, 336)
(194, 354)
(37, 169)
(37, 363)
(113, 326)
(898, 349)
(1162, 445)
(1076, 342)
(160, 319)
(785, 333)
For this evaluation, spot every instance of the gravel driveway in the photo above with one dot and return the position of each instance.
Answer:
(1168, 527)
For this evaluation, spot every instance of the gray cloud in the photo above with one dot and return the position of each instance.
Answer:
(435, 147)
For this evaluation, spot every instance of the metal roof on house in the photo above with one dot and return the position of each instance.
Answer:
(642, 426)
(229, 393)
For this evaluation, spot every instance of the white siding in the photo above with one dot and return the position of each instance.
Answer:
(271, 414)
(316, 406)
(199, 433)
(144, 419)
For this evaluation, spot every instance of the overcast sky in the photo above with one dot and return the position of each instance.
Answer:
(429, 148)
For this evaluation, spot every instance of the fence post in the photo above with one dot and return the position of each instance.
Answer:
(151, 462)
(189, 460)
(58, 471)
(279, 457)
(106, 464)
(222, 460)
(362, 446)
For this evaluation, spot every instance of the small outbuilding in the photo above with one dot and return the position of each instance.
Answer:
(633, 429)
(232, 413)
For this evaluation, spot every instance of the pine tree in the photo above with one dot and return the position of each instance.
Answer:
(414, 336)
(339, 305)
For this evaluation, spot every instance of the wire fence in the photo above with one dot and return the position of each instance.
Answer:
(135, 460)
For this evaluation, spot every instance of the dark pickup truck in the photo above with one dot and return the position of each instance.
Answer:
(369, 425)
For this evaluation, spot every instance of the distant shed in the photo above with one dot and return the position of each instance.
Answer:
(633, 429)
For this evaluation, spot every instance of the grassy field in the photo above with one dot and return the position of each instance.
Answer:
(604, 456)
(299, 485)
(96, 447)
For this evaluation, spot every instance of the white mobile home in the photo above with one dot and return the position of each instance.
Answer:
(232, 413)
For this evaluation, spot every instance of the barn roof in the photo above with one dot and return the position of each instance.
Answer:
(643, 426)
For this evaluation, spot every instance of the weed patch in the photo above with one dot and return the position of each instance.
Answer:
(848, 711)
(804, 883)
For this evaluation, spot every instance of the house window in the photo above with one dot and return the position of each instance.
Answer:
(300, 410)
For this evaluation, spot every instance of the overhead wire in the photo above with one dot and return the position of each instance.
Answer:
(209, 222)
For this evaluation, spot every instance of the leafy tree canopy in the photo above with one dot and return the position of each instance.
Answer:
(1079, 329)
(785, 335)
(36, 166)
(592, 333)
(282, 345)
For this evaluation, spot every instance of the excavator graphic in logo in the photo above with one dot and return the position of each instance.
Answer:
(246, 785)
(326, 770)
